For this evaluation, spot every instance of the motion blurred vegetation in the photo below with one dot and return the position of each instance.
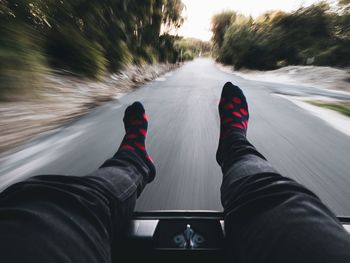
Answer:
(85, 37)
(191, 48)
(318, 35)
(343, 108)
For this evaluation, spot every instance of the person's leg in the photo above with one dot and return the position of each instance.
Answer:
(77, 219)
(268, 217)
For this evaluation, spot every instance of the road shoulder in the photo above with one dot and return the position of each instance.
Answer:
(331, 117)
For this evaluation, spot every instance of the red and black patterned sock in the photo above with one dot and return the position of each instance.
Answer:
(136, 124)
(234, 115)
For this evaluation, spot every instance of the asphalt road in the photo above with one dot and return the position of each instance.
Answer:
(183, 135)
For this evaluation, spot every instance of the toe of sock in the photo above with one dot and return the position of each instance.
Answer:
(136, 110)
(231, 90)
(138, 106)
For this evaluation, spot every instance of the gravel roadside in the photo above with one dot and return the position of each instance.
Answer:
(63, 98)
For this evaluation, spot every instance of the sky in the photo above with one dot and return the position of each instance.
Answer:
(198, 13)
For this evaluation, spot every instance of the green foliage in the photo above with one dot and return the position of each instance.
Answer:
(117, 55)
(86, 37)
(172, 14)
(21, 61)
(314, 34)
(220, 23)
(191, 48)
(241, 46)
(146, 55)
(81, 56)
(168, 51)
(342, 108)
(188, 55)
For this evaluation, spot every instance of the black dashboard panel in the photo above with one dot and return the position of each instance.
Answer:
(185, 236)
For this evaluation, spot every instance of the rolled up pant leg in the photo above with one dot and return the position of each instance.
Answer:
(271, 218)
(70, 219)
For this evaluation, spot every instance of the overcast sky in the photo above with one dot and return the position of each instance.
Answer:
(199, 12)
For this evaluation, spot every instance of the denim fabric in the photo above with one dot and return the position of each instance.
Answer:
(268, 217)
(53, 218)
(271, 218)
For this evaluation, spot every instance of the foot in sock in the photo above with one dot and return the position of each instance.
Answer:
(136, 124)
(234, 115)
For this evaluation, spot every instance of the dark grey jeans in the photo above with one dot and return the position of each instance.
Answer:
(271, 218)
(268, 218)
(59, 218)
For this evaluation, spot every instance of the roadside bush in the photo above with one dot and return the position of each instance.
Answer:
(337, 55)
(145, 55)
(22, 63)
(316, 35)
(192, 47)
(118, 56)
(85, 37)
(149, 54)
(81, 56)
(188, 55)
(220, 23)
(243, 47)
(168, 51)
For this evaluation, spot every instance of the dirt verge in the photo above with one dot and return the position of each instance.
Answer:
(63, 98)
(315, 76)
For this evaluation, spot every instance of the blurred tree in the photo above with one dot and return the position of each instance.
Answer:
(192, 47)
(342, 20)
(86, 37)
(316, 33)
(241, 45)
(344, 2)
(168, 51)
(22, 63)
(172, 14)
(90, 36)
(220, 23)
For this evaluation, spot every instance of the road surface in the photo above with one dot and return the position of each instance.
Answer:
(183, 136)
